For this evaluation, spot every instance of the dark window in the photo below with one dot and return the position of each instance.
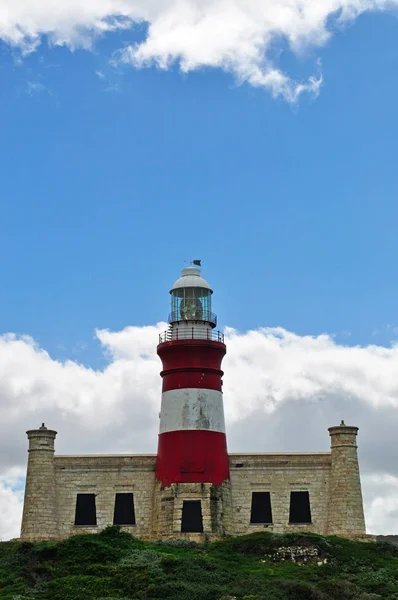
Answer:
(124, 510)
(261, 508)
(192, 517)
(85, 510)
(300, 511)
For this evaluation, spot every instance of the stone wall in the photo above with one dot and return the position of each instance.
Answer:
(279, 474)
(225, 510)
(104, 476)
(331, 479)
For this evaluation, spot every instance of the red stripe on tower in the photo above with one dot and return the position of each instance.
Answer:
(192, 441)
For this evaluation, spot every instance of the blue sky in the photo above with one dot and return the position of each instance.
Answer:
(112, 177)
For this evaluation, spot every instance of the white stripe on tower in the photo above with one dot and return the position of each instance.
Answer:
(192, 408)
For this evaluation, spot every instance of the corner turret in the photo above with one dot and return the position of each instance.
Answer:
(345, 515)
(39, 521)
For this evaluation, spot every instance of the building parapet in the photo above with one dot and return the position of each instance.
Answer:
(130, 462)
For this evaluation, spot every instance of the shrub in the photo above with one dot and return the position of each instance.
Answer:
(147, 560)
(340, 590)
(113, 565)
(80, 587)
(177, 543)
(141, 558)
(297, 590)
(133, 581)
(193, 590)
(79, 551)
(98, 570)
(115, 536)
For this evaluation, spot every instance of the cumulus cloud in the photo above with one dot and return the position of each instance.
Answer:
(11, 502)
(238, 36)
(281, 393)
(381, 499)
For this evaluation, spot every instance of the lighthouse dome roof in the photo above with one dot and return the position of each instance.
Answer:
(191, 277)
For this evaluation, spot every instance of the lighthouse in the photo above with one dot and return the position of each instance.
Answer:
(192, 489)
(192, 442)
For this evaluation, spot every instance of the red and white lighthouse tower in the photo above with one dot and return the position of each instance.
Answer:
(192, 442)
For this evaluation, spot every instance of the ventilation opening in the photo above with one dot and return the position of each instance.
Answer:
(261, 508)
(300, 511)
(124, 510)
(86, 513)
(192, 521)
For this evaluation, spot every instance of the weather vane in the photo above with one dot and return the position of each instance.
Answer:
(196, 262)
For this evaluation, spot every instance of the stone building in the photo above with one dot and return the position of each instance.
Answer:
(192, 487)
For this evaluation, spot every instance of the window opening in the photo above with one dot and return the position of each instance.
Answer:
(261, 508)
(192, 521)
(124, 510)
(300, 511)
(86, 513)
(192, 303)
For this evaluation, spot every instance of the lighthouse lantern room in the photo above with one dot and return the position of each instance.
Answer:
(192, 443)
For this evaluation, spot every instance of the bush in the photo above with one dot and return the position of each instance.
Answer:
(115, 536)
(116, 566)
(78, 552)
(183, 590)
(296, 590)
(142, 558)
(99, 570)
(177, 543)
(80, 587)
(340, 590)
(134, 581)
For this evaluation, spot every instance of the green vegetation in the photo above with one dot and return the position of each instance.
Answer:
(115, 566)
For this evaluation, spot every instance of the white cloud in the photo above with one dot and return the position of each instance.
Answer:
(11, 502)
(282, 391)
(381, 498)
(35, 87)
(234, 35)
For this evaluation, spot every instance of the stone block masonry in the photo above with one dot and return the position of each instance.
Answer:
(40, 519)
(279, 474)
(331, 480)
(104, 476)
(345, 516)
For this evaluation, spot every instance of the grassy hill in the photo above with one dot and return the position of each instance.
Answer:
(262, 566)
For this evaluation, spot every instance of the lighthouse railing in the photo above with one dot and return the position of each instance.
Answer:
(191, 333)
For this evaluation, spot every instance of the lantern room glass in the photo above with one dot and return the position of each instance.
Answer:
(191, 304)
